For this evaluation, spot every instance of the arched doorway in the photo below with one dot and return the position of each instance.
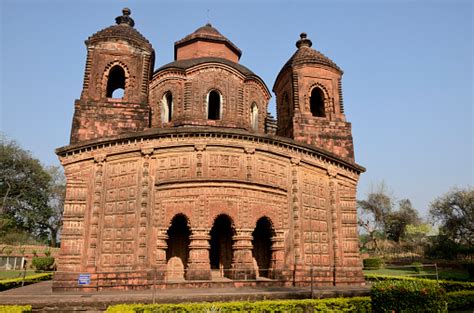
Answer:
(177, 253)
(262, 245)
(221, 244)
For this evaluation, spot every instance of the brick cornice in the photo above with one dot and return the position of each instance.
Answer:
(214, 132)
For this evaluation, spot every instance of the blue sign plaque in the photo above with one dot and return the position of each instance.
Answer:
(84, 279)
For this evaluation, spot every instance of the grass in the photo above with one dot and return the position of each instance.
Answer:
(14, 274)
(430, 273)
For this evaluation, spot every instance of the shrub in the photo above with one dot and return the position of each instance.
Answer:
(6, 284)
(448, 285)
(408, 296)
(15, 308)
(460, 300)
(417, 266)
(43, 263)
(469, 266)
(8, 251)
(373, 263)
(356, 304)
(47, 252)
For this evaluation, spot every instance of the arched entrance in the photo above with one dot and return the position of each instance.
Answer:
(262, 245)
(177, 253)
(221, 244)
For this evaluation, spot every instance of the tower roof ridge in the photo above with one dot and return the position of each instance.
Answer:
(123, 30)
(208, 33)
(308, 55)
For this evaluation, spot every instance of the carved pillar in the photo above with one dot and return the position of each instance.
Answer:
(160, 252)
(242, 261)
(199, 267)
(143, 220)
(94, 249)
(278, 255)
(296, 220)
(334, 203)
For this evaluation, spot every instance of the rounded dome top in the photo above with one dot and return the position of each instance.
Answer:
(207, 33)
(307, 55)
(207, 30)
(123, 30)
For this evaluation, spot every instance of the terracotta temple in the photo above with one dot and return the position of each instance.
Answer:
(179, 175)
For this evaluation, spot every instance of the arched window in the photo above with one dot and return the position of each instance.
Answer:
(316, 102)
(167, 107)
(254, 116)
(214, 105)
(116, 82)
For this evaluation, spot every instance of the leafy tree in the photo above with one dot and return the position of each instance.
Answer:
(417, 234)
(31, 196)
(454, 212)
(381, 219)
(397, 221)
(57, 192)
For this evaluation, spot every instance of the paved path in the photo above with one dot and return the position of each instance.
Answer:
(43, 299)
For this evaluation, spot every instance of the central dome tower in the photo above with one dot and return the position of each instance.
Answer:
(206, 86)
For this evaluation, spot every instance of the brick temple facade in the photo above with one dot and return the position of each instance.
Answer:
(179, 174)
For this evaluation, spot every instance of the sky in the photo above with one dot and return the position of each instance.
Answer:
(407, 84)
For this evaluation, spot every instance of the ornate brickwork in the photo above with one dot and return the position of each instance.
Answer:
(119, 229)
(316, 230)
(185, 177)
(76, 209)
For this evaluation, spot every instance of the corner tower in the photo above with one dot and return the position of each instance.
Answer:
(309, 101)
(114, 98)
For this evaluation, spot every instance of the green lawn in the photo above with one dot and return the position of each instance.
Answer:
(447, 274)
(14, 274)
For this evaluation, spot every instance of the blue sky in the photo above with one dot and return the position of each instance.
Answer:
(408, 82)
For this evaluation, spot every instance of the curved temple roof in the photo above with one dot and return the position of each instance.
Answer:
(305, 54)
(207, 33)
(123, 30)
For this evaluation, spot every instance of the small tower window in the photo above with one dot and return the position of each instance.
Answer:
(316, 102)
(116, 82)
(167, 107)
(254, 116)
(214, 105)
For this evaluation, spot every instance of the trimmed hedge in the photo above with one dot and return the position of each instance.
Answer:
(461, 300)
(15, 308)
(45, 263)
(469, 266)
(6, 284)
(373, 263)
(408, 296)
(448, 285)
(356, 304)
